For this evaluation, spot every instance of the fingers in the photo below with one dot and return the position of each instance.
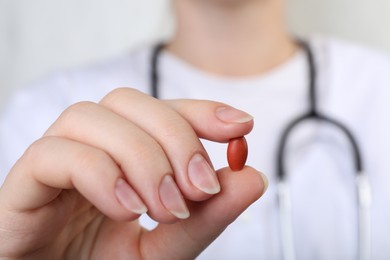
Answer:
(139, 156)
(191, 165)
(213, 120)
(136, 129)
(177, 128)
(52, 164)
(153, 148)
(187, 238)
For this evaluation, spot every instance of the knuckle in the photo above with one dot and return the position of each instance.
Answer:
(36, 150)
(176, 128)
(148, 151)
(73, 112)
(79, 107)
(116, 95)
(94, 160)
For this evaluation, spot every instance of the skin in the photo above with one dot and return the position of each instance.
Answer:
(77, 192)
(232, 38)
(59, 200)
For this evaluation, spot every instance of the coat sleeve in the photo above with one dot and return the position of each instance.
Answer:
(26, 116)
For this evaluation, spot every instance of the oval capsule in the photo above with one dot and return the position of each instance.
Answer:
(237, 152)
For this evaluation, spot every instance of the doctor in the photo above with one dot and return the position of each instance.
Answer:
(78, 191)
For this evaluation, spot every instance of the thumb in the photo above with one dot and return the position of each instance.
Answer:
(188, 238)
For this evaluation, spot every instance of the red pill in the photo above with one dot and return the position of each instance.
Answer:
(237, 152)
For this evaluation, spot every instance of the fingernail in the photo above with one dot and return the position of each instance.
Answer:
(172, 199)
(129, 198)
(232, 115)
(265, 181)
(202, 175)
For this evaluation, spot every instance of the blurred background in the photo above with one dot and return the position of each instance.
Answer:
(40, 36)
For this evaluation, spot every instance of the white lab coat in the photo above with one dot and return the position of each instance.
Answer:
(354, 88)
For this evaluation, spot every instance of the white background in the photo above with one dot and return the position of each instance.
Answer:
(40, 36)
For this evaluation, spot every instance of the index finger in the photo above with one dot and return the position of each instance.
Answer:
(177, 126)
(212, 120)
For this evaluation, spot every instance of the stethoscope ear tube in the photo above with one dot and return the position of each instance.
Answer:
(364, 218)
(285, 218)
(364, 202)
(362, 183)
(284, 194)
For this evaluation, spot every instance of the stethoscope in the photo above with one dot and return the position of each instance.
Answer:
(284, 195)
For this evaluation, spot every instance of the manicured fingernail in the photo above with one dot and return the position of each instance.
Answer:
(265, 181)
(202, 175)
(129, 198)
(172, 199)
(232, 115)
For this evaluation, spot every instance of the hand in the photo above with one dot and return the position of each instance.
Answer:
(78, 191)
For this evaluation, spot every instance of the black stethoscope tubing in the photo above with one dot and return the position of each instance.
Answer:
(314, 114)
(311, 114)
(362, 184)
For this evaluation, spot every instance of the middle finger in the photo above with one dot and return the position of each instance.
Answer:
(192, 167)
(132, 149)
